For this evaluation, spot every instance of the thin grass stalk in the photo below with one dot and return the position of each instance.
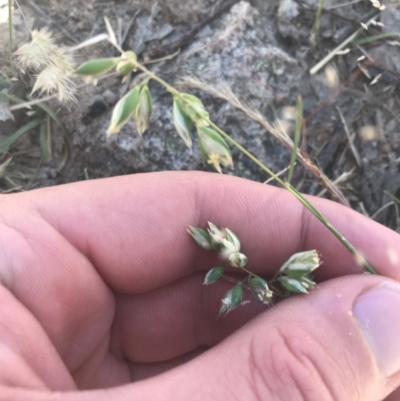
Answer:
(392, 197)
(374, 38)
(10, 35)
(86, 174)
(29, 185)
(315, 27)
(297, 133)
(357, 255)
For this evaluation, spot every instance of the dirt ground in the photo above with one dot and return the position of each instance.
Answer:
(263, 52)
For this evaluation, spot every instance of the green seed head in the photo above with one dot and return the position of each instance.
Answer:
(95, 68)
(238, 260)
(182, 122)
(214, 148)
(143, 110)
(217, 236)
(300, 264)
(200, 237)
(232, 299)
(259, 288)
(230, 244)
(123, 111)
(214, 274)
(293, 285)
(127, 63)
(195, 110)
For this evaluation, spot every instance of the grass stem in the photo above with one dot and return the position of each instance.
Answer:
(357, 255)
(10, 34)
(297, 134)
(315, 27)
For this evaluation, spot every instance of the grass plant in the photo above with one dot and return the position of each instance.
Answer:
(55, 68)
(194, 114)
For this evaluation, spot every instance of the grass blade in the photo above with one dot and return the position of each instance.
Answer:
(48, 110)
(10, 34)
(373, 38)
(54, 116)
(16, 135)
(392, 197)
(44, 139)
(315, 27)
(42, 106)
(86, 173)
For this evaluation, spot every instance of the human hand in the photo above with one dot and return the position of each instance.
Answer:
(101, 287)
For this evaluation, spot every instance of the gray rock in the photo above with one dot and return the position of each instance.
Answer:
(390, 17)
(288, 9)
(242, 53)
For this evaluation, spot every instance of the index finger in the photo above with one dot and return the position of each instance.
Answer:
(133, 228)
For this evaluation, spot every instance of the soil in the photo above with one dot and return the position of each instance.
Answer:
(263, 51)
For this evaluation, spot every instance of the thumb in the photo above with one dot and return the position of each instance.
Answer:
(340, 342)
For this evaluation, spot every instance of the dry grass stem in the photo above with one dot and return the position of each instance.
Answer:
(343, 5)
(278, 175)
(337, 49)
(342, 178)
(381, 209)
(350, 138)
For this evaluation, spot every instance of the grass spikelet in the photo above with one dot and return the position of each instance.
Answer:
(53, 80)
(62, 58)
(53, 65)
(36, 54)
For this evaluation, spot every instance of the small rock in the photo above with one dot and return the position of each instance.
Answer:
(288, 9)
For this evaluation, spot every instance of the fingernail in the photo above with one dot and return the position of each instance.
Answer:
(378, 313)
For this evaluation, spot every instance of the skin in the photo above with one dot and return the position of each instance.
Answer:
(101, 288)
